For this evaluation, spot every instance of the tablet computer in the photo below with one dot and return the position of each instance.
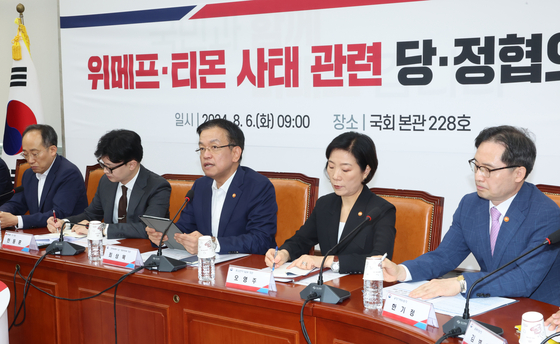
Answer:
(160, 224)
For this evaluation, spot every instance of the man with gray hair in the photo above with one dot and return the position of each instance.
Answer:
(52, 183)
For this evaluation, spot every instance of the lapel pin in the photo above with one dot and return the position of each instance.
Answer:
(506, 219)
(360, 213)
(234, 195)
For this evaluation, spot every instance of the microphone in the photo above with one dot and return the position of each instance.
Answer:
(13, 192)
(461, 322)
(65, 248)
(553, 238)
(327, 293)
(160, 262)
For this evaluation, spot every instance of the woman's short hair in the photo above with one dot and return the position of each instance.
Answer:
(361, 147)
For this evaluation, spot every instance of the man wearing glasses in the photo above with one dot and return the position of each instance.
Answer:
(126, 191)
(503, 219)
(52, 183)
(232, 203)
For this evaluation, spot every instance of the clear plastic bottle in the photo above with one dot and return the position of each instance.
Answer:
(373, 284)
(373, 294)
(95, 241)
(206, 259)
(95, 250)
(206, 269)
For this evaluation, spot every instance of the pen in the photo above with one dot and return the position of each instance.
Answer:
(54, 216)
(383, 258)
(273, 259)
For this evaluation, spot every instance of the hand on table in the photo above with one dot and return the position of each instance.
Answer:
(282, 257)
(437, 287)
(189, 241)
(81, 228)
(8, 220)
(307, 262)
(391, 271)
(54, 227)
(553, 322)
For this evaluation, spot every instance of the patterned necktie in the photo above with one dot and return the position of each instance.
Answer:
(495, 227)
(122, 206)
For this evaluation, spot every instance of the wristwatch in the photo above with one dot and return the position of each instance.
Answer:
(335, 266)
(463, 283)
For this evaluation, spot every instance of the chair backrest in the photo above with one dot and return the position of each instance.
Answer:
(551, 191)
(418, 223)
(21, 166)
(296, 195)
(180, 185)
(93, 175)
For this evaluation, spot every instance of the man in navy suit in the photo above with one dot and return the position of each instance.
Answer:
(503, 219)
(232, 203)
(51, 183)
(126, 191)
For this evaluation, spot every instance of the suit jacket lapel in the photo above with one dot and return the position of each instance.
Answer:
(137, 192)
(109, 204)
(206, 205)
(49, 181)
(236, 188)
(332, 222)
(481, 231)
(33, 192)
(508, 229)
(358, 212)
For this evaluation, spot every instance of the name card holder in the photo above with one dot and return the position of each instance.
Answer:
(124, 257)
(19, 241)
(479, 334)
(248, 279)
(410, 311)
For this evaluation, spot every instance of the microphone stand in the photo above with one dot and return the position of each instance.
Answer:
(160, 262)
(327, 293)
(461, 322)
(64, 247)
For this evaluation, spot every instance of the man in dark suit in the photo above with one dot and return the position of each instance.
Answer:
(503, 219)
(232, 203)
(51, 183)
(126, 191)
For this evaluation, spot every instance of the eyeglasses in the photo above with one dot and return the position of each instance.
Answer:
(110, 169)
(34, 155)
(212, 149)
(485, 170)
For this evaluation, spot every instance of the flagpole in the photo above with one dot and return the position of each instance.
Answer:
(24, 106)
(20, 9)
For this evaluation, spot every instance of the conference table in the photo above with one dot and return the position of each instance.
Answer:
(174, 307)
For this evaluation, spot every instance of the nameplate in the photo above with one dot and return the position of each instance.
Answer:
(410, 311)
(479, 334)
(125, 257)
(248, 279)
(19, 241)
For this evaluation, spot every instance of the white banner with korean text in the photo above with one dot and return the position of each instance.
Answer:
(422, 78)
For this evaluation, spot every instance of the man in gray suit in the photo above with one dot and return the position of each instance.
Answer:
(126, 191)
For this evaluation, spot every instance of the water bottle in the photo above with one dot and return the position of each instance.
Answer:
(373, 284)
(95, 241)
(206, 259)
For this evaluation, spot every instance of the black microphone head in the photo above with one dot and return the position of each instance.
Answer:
(554, 238)
(190, 195)
(373, 214)
(18, 189)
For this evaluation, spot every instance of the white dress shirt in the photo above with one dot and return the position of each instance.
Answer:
(218, 200)
(42, 177)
